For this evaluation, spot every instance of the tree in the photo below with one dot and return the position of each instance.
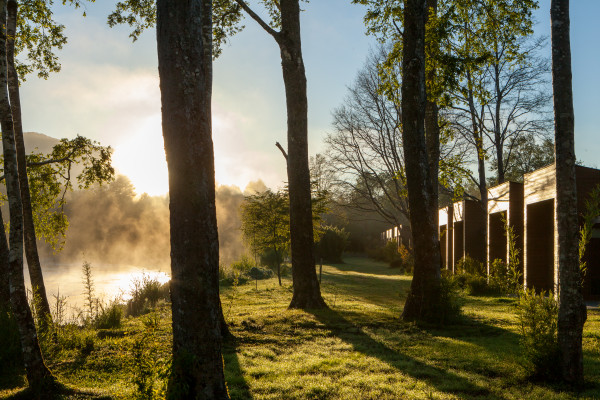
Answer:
(526, 155)
(34, 30)
(266, 224)
(571, 307)
(425, 286)
(366, 147)
(38, 375)
(285, 14)
(184, 38)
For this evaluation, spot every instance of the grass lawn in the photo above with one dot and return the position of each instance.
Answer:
(358, 349)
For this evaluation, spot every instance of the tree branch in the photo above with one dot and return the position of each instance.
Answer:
(276, 35)
(281, 149)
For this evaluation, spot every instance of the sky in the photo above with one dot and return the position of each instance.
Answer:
(108, 90)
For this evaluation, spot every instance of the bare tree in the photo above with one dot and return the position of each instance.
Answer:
(571, 307)
(365, 148)
(184, 37)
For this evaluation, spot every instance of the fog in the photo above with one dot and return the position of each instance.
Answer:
(111, 224)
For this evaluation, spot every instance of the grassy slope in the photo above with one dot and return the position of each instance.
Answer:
(356, 350)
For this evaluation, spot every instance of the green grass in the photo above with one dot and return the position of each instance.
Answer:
(358, 349)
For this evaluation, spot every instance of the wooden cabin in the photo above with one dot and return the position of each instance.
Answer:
(505, 206)
(540, 230)
(445, 221)
(468, 233)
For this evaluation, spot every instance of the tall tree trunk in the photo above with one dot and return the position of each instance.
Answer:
(571, 307)
(33, 260)
(425, 286)
(307, 293)
(4, 268)
(38, 374)
(497, 137)
(432, 126)
(184, 38)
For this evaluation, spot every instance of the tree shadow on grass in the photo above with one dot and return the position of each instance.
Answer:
(234, 376)
(442, 380)
(60, 392)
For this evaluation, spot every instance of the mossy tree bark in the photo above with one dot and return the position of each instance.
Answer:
(425, 286)
(184, 38)
(571, 307)
(38, 374)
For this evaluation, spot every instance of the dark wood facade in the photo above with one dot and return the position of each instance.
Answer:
(505, 206)
(541, 239)
(529, 208)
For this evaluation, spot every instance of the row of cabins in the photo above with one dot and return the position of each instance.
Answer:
(529, 208)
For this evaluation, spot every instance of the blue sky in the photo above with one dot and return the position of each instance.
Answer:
(108, 90)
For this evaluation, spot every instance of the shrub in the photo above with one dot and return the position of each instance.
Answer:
(145, 292)
(260, 273)
(109, 317)
(332, 244)
(470, 266)
(243, 265)
(538, 320)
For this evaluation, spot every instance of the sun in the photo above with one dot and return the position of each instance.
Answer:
(141, 157)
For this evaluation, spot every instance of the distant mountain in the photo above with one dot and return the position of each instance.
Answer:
(43, 143)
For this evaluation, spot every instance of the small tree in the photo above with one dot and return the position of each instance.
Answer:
(266, 224)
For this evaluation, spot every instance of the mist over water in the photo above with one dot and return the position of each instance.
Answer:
(122, 235)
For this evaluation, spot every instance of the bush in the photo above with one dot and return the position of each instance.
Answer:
(243, 265)
(471, 266)
(332, 244)
(145, 292)
(538, 321)
(109, 318)
(260, 273)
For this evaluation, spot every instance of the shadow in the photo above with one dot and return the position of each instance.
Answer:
(60, 392)
(374, 288)
(441, 379)
(234, 376)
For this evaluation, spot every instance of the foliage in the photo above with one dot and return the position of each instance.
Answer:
(145, 292)
(149, 371)
(538, 319)
(332, 244)
(88, 286)
(109, 317)
(591, 213)
(265, 223)
(50, 179)
(471, 266)
(40, 36)
(141, 15)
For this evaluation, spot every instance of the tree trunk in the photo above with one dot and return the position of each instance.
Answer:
(33, 260)
(38, 375)
(424, 291)
(307, 293)
(184, 38)
(571, 307)
(432, 129)
(4, 268)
